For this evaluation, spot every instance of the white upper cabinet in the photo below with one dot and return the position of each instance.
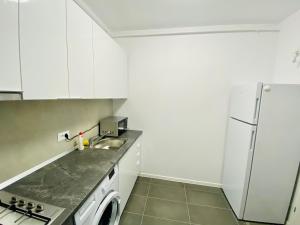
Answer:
(80, 52)
(10, 79)
(110, 66)
(121, 71)
(44, 49)
(51, 49)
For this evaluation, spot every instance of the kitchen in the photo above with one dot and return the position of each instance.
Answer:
(75, 63)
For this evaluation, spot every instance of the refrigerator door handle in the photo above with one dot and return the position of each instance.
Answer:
(256, 109)
(252, 140)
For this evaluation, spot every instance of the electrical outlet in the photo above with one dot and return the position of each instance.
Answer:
(61, 136)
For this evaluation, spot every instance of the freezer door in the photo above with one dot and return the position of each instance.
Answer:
(244, 102)
(237, 163)
(276, 155)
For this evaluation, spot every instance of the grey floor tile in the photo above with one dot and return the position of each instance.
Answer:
(144, 179)
(166, 182)
(206, 199)
(156, 221)
(135, 204)
(211, 216)
(166, 209)
(203, 188)
(141, 188)
(167, 192)
(130, 219)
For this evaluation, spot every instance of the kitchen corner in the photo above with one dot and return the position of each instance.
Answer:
(69, 181)
(140, 112)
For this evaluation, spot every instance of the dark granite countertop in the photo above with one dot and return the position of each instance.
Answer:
(69, 181)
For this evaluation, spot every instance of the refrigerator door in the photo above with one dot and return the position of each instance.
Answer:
(276, 155)
(237, 163)
(244, 102)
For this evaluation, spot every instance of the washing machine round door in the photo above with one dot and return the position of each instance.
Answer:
(108, 213)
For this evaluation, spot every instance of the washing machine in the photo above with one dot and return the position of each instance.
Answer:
(103, 206)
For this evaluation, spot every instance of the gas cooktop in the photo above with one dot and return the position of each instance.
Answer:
(16, 210)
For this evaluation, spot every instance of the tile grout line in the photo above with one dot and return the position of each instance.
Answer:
(145, 204)
(167, 219)
(148, 197)
(187, 205)
(160, 218)
(168, 200)
(192, 189)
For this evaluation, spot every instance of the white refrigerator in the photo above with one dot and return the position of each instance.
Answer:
(262, 151)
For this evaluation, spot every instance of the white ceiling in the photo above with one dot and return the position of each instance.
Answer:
(126, 15)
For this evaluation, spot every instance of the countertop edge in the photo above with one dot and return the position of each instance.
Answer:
(69, 219)
(67, 216)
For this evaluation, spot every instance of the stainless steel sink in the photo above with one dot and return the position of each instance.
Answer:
(109, 143)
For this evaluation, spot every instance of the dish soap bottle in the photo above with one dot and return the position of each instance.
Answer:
(80, 141)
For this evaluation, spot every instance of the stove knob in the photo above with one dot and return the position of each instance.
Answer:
(21, 203)
(39, 208)
(30, 205)
(13, 200)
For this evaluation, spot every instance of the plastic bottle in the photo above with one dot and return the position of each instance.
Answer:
(80, 141)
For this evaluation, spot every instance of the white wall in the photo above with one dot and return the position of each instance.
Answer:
(35, 125)
(288, 72)
(288, 43)
(178, 95)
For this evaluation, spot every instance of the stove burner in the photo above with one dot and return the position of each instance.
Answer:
(13, 200)
(21, 203)
(18, 210)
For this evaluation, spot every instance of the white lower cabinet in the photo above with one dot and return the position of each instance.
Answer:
(129, 168)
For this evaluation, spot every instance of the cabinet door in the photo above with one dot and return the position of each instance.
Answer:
(80, 52)
(127, 175)
(43, 49)
(10, 79)
(138, 153)
(110, 66)
(120, 71)
(129, 168)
